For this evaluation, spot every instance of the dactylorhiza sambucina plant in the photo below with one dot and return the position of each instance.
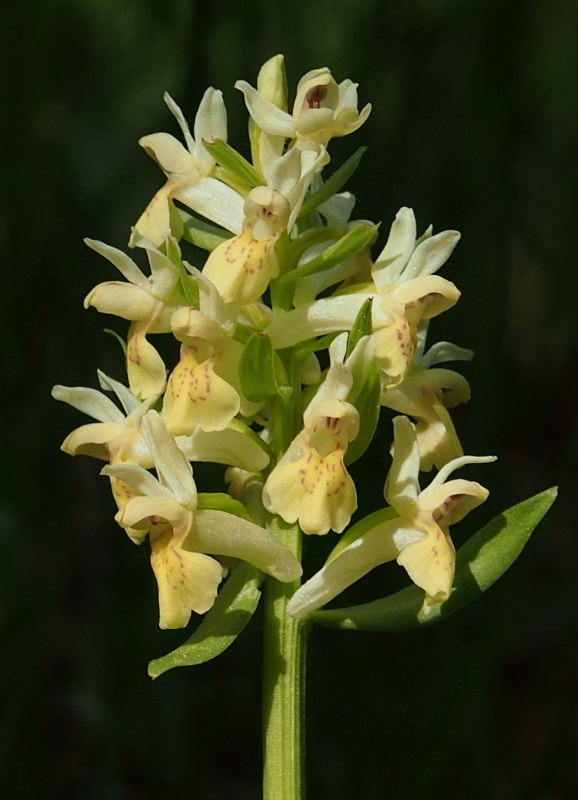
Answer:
(287, 343)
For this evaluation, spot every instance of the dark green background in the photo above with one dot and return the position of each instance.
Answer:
(475, 125)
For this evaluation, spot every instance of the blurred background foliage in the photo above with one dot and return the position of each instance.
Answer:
(474, 124)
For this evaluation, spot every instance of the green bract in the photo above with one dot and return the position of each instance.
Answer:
(234, 607)
(259, 368)
(334, 183)
(234, 162)
(348, 245)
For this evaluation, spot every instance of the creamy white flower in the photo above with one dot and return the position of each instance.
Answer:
(242, 267)
(310, 484)
(404, 292)
(322, 109)
(418, 537)
(148, 302)
(183, 537)
(189, 172)
(425, 394)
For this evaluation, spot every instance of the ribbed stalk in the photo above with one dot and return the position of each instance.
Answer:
(284, 649)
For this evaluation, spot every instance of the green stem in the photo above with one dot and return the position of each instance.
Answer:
(284, 650)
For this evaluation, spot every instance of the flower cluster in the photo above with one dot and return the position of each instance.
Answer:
(287, 276)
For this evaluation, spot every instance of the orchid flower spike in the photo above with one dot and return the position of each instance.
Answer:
(418, 537)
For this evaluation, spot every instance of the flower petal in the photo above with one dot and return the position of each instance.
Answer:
(148, 512)
(402, 486)
(241, 267)
(431, 254)
(146, 369)
(128, 400)
(397, 251)
(437, 439)
(137, 478)
(90, 401)
(94, 439)
(215, 201)
(121, 299)
(229, 446)
(154, 224)
(267, 116)
(121, 261)
(172, 467)
(373, 548)
(210, 124)
(168, 152)
(186, 581)
(315, 319)
(316, 491)
(430, 295)
(197, 397)
(430, 563)
(452, 501)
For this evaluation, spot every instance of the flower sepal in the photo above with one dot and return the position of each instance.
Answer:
(480, 561)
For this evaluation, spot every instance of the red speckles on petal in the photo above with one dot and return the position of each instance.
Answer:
(316, 96)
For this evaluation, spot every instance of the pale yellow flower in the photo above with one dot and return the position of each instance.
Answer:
(408, 290)
(148, 302)
(310, 484)
(425, 394)
(322, 109)
(404, 292)
(183, 537)
(196, 396)
(418, 537)
(242, 267)
(189, 173)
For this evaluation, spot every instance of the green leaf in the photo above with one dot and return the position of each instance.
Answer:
(333, 184)
(351, 243)
(361, 327)
(229, 159)
(187, 284)
(480, 562)
(233, 608)
(258, 369)
(202, 234)
(366, 393)
(368, 405)
(219, 501)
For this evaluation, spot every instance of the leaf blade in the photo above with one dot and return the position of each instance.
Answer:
(233, 608)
